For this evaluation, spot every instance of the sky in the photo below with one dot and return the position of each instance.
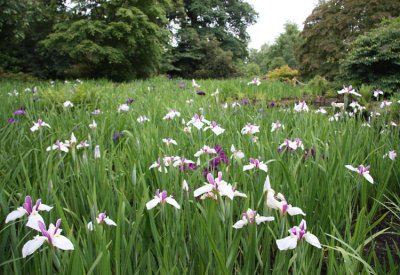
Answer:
(273, 14)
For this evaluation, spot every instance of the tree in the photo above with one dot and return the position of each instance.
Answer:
(375, 57)
(201, 22)
(280, 53)
(332, 27)
(116, 39)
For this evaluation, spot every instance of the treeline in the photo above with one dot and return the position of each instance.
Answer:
(356, 40)
(342, 40)
(123, 39)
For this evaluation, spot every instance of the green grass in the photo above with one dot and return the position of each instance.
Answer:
(344, 211)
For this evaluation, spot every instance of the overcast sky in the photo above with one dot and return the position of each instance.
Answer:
(273, 14)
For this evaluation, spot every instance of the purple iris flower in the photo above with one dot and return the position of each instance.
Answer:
(182, 85)
(200, 93)
(20, 112)
(116, 136)
(130, 101)
(11, 120)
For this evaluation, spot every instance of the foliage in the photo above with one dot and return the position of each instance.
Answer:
(281, 52)
(321, 85)
(331, 28)
(199, 24)
(117, 41)
(283, 73)
(375, 57)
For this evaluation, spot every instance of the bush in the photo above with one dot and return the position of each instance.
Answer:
(375, 57)
(319, 85)
(283, 73)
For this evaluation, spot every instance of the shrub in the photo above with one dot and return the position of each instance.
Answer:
(283, 73)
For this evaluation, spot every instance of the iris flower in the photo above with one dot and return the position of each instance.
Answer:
(161, 198)
(52, 236)
(236, 153)
(255, 164)
(251, 216)
(123, 108)
(279, 202)
(377, 93)
(101, 218)
(250, 129)
(68, 104)
(321, 111)
(385, 103)
(172, 114)
(205, 150)
(215, 186)
(169, 141)
(297, 233)
(157, 164)
(195, 85)
(348, 90)
(97, 152)
(276, 125)
(198, 121)
(142, 119)
(216, 128)
(293, 145)
(391, 154)
(31, 210)
(255, 81)
(60, 146)
(301, 107)
(93, 125)
(38, 125)
(363, 171)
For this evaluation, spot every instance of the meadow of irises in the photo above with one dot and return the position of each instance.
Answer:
(170, 176)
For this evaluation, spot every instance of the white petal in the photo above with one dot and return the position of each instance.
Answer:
(226, 190)
(260, 219)
(239, 224)
(198, 154)
(368, 177)
(287, 243)
(172, 202)
(62, 242)
(16, 214)
(204, 189)
(351, 168)
(248, 167)
(32, 245)
(198, 124)
(33, 221)
(45, 207)
(263, 167)
(218, 130)
(239, 194)
(271, 201)
(90, 226)
(312, 239)
(34, 128)
(267, 184)
(153, 203)
(292, 211)
(109, 221)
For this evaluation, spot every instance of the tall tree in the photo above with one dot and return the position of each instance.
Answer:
(117, 39)
(280, 53)
(331, 28)
(199, 22)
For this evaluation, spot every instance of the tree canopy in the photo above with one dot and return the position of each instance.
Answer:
(332, 27)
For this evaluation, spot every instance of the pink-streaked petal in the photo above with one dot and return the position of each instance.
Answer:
(172, 202)
(287, 243)
(204, 189)
(16, 214)
(351, 168)
(31, 246)
(62, 242)
(292, 211)
(45, 207)
(368, 177)
(260, 219)
(109, 221)
(248, 167)
(312, 239)
(33, 221)
(240, 224)
(153, 203)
